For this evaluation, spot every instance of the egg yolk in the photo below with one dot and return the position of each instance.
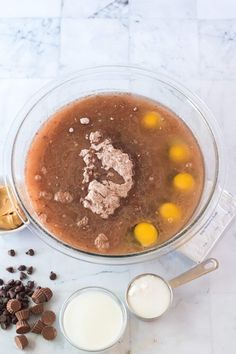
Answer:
(146, 234)
(179, 153)
(170, 211)
(152, 120)
(184, 181)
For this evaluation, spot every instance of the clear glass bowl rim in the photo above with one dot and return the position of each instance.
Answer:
(179, 238)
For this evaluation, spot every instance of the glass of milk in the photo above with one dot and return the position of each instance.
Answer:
(93, 319)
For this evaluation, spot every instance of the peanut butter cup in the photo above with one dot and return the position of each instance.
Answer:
(37, 309)
(22, 327)
(48, 317)
(21, 341)
(13, 306)
(38, 327)
(49, 333)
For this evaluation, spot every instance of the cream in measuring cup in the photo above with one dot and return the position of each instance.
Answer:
(149, 296)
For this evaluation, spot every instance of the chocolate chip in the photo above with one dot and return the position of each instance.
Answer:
(8, 320)
(22, 268)
(3, 318)
(23, 276)
(5, 300)
(49, 333)
(6, 313)
(30, 293)
(21, 341)
(11, 293)
(30, 252)
(12, 253)
(11, 282)
(27, 290)
(30, 284)
(3, 292)
(18, 289)
(22, 293)
(30, 270)
(53, 276)
(14, 320)
(1, 282)
(25, 304)
(10, 269)
(4, 325)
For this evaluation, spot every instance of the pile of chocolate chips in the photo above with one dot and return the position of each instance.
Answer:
(17, 308)
(14, 309)
(13, 294)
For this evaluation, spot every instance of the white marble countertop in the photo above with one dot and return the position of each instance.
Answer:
(193, 41)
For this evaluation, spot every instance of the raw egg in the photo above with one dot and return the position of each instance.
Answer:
(179, 153)
(170, 212)
(146, 234)
(184, 181)
(152, 120)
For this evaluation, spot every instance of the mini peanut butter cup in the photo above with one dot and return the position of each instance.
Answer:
(48, 317)
(48, 293)
(13, 306)
(38, 296)
(37, 327)
(22, 327)
(49, 333)
(22, 315)
(37, 309)
(21, 341)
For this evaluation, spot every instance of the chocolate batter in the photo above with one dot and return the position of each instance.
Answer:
(95, 170)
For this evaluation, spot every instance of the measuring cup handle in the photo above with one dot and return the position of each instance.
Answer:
(205, 267)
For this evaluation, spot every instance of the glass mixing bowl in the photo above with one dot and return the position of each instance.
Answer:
(120, 79)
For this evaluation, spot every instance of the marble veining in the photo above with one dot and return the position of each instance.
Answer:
(95, 9)
(29, 47)
(217, 46)
(193, 41)
(115, 9)
(79, 51)
(180, 9)
(176, 59)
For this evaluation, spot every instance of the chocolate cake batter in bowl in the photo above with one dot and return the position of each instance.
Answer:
(115, 164)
